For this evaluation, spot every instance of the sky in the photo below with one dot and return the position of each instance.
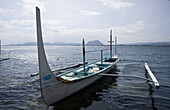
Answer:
(132, 21)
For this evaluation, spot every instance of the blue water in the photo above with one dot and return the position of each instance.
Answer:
(20, 91)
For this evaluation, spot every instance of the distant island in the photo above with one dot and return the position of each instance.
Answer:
(94, 43)
(164, 43)
(90, 43)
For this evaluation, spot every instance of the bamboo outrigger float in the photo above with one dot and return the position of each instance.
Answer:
(152, 76)
(56, 87)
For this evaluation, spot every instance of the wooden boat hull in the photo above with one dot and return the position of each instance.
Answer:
(60, 91)
(53, 90)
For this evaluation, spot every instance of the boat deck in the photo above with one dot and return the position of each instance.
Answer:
(90, 70)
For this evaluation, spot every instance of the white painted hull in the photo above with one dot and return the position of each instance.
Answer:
(59, 91)
(53, 90)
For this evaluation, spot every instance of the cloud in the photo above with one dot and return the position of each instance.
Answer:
(116, 4)
(5, 24)
(130, 28)
(90, 13)
(53, 24)
(22, 22)
(68, 34)
(6, 11)
(81, 31)
(29, 4)
(126, 29)
(55, 28)
(13, 24)
(27, 24)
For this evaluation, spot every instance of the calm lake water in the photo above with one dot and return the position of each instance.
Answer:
(20, 91)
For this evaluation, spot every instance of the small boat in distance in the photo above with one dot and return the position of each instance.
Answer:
(57, 87)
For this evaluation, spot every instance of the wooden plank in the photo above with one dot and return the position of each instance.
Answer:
(152, 75)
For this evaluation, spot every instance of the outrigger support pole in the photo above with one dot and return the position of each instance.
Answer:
(84, 63)
(102, 57)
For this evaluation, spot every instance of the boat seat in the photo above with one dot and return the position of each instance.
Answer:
(81, 71)
(70, 74)
(110, 60)
(93, 70)
(79, 74)
(101, 66)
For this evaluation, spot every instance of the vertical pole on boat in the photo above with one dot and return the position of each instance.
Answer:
(115, 45)
(102, 57)
(84, 63)
(110, 43)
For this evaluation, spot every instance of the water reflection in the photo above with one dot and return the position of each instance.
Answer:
(150, 92)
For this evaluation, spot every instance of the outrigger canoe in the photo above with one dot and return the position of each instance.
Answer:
(56, 87)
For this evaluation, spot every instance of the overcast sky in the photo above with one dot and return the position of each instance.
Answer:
(132, 21)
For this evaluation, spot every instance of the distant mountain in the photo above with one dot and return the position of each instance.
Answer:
(94, 43)
(151, 43)
(90, 43)
(46, 43)
(24, 44)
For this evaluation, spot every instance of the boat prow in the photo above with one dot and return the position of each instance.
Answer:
(46, 75)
